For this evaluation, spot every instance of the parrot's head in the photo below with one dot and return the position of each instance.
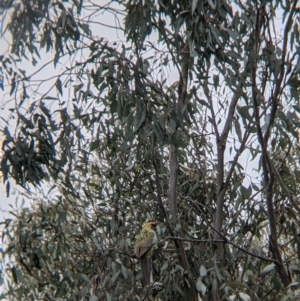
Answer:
(150, 226)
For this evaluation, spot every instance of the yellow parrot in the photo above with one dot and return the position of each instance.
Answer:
(143, 248)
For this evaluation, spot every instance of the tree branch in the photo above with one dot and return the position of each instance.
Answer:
(237, 155)
(279, 80)
(182, 92)
(212, 111)
(268, 175)
(173, 183)
(178, 244)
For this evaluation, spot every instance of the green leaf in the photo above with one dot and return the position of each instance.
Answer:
(115, 276)
(14, 274)
(201, 288)
(58, 85)
(255, 187)
(108, 296)
(94, 145)
(298, 246)
(194, 5)
(164, 267)
(85, 27)
(124, 272)
(267, 269)
(236, 284)
(27, 122)
(244, 112)
(7, 189)
(203, 271)
(212, 3)
(293, 284)
(50, 98)
(85, 278)
(237, 128)
(173, 124)
(246, 192)
(216, 80)
(244, 296)
(141, 120)
(77, 87)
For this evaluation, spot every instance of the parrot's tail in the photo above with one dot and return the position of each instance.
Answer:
(147, 271)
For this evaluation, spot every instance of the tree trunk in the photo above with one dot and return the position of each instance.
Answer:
(190, 293)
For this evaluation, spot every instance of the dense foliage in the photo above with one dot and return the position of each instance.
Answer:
(189, 117)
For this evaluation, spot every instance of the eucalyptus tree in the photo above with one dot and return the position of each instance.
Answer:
(189, 116)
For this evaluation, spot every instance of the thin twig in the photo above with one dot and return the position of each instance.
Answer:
(225, 240)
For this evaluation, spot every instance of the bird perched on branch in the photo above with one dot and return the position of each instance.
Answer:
(143, 249)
